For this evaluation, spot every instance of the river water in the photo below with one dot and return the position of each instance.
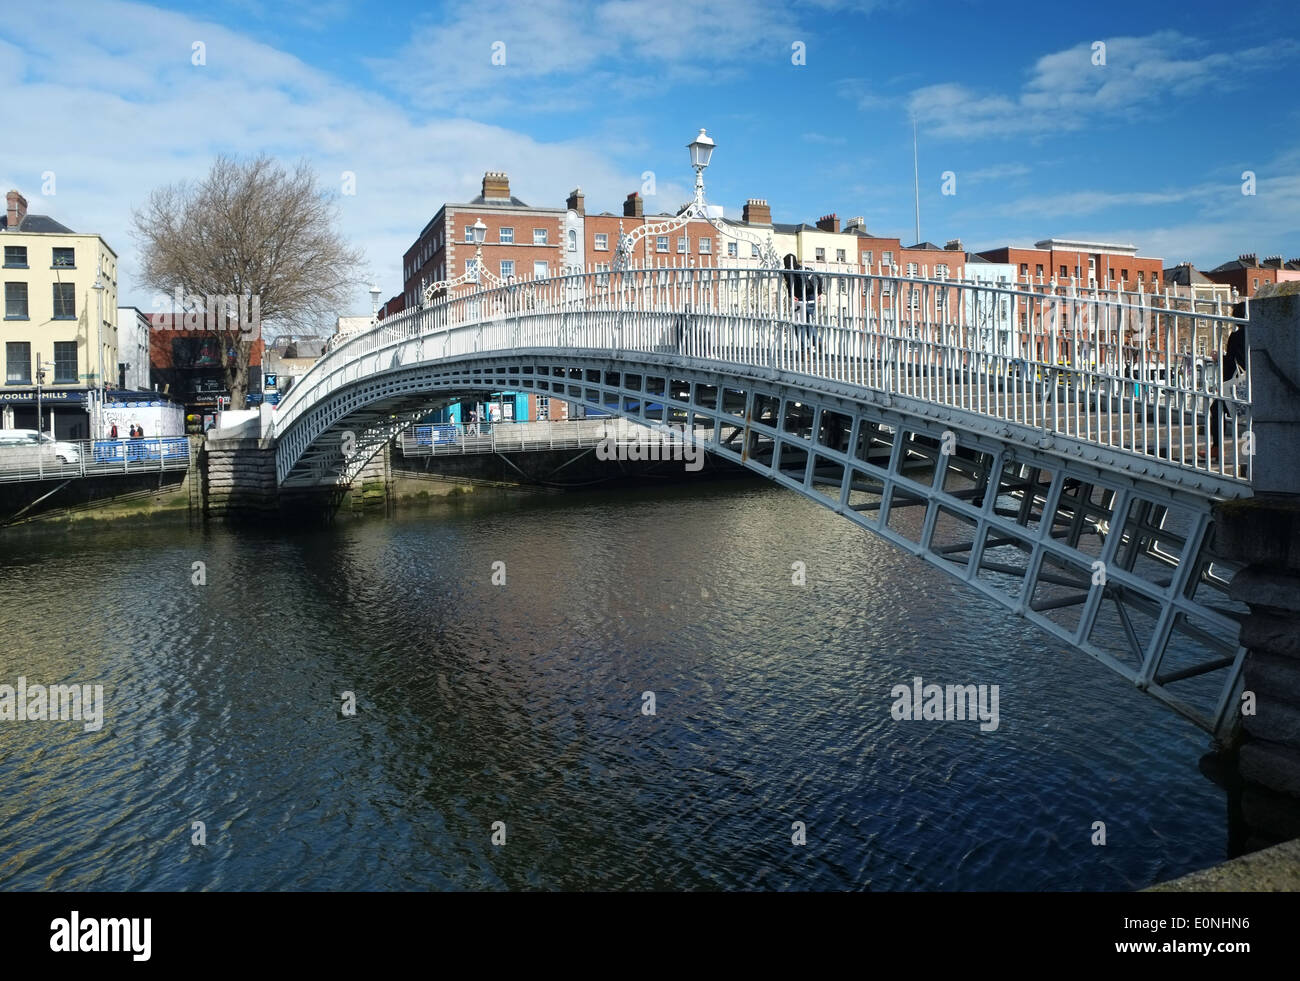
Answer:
(524, 704)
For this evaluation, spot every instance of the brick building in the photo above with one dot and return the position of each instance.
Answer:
(1246, 274)
(521, 241)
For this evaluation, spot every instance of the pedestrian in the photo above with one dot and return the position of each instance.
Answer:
(112, 431)
(1232, 374)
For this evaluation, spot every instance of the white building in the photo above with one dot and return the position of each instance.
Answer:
(132, 349)
(991, 317)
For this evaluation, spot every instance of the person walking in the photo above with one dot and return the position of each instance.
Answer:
(112, 431)
(1232, 374)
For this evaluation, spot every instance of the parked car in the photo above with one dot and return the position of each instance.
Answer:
(27, 447)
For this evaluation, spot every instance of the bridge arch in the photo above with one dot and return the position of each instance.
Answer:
(1120, 568)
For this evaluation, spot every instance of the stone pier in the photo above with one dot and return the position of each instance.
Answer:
(1263, 532)
(239, 485)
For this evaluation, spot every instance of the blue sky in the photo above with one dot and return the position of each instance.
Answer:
(1148, 148)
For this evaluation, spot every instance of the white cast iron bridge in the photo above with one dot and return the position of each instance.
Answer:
(1042, 443)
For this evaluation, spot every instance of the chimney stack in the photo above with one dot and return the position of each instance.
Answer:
(1248, 258)
(17, 210)
(575, 201)
(857, 221)
(633, 207)
(1272, 262)
(496, 186)
(829, 223)
(953, 245)
(756, 212)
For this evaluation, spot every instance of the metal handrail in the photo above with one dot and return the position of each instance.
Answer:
(1094, 364)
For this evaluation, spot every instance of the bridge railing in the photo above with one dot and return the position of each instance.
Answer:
(1135, 371)
(94, 458)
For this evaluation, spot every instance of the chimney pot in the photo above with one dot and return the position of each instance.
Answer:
(829, 223)
(756, 212)
(16, 210)
(496, 186)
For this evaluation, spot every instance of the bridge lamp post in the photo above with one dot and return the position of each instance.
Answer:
(701, 153)
(374, 303)
(479, 232)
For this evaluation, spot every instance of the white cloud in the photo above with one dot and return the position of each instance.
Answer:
(145, 116)
(1065, 91)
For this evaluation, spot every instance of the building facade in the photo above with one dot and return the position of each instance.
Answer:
(133, 349)
(59, 334)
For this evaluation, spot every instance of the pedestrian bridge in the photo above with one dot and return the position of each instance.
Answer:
(1045, 444)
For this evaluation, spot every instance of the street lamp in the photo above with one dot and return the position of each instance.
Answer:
(701, 153)
(479, 231)
(98, 287)
(701, 149)
(374, 302)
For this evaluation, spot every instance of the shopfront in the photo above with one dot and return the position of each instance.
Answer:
(62, 411)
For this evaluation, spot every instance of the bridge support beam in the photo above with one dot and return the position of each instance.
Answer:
(1263, 533)
(239, 485)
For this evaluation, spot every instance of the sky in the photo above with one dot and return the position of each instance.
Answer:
(1026, 128)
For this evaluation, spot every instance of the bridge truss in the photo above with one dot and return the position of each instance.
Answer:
(1063, 492)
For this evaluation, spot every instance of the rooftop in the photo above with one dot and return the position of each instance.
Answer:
(36, 224)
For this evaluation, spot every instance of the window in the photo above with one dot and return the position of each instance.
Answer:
(1065, 271)
(661, 243)
(839, 255)
(820, 255)
(913, 298)
(507, 268)
(706, 246)
(16, 256)
(1123, 275)
(18, 363)
(1038, 269)
(65, 259)
(941, 271)
(887, 288)
(682, 243)
(506, 236)
(733, 250)
(65, 301)
(1024, 269)
(573, 240)
(868, 258)
(602, 241)
(941, 299)
(15, 301)
(540, 236)
(65, 362)
(887, 258)
(469, 233)
(539, 270)
(1140, 274)
(1256, 286)
(1200, 347)
(753, 251)
(911, 268)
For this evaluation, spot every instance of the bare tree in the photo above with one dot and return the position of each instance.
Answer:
(251, 241)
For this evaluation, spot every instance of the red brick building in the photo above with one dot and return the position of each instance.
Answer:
(1246, 274)
(187, 365)
(1106, 265)
(521, 241)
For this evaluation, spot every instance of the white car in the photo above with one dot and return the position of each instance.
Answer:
(27, 446)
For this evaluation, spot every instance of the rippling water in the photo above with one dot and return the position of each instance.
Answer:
(522, 704)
